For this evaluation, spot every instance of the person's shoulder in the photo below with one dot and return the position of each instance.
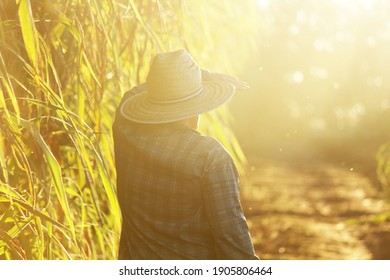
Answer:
(218, 159)
(213, 144)
(216, 151)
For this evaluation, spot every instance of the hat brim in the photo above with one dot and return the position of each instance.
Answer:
(138, 108)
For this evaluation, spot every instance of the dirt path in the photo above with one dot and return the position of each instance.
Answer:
(314, 212)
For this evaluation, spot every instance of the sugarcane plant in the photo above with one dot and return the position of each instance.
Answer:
(64, 65)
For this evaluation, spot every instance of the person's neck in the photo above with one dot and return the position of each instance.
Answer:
(192, 122)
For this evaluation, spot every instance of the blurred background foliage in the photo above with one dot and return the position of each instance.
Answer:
(320, 87)
(64, 65)
(319, 91)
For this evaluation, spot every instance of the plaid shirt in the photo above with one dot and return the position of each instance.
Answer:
(179, 195)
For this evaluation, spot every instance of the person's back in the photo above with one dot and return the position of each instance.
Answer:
(178, 193)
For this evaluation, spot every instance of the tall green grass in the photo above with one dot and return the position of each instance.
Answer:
(383, 168)
(64, 65)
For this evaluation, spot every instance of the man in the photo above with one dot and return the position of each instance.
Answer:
(178, 190)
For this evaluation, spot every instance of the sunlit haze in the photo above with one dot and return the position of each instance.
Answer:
(320, 79)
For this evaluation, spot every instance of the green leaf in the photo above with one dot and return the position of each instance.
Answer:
(28, 31)
(55, 170)
(6, 81)
(90, 70)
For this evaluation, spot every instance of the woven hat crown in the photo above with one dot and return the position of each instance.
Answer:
(173, 77)
(176, 89)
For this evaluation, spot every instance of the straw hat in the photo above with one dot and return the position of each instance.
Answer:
(176, 88)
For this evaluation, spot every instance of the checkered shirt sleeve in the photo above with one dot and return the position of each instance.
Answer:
(223, 208)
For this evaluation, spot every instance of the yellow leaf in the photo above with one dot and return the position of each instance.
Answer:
(28, 31)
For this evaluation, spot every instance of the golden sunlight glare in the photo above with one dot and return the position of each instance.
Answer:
(263, 3)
